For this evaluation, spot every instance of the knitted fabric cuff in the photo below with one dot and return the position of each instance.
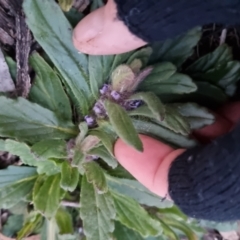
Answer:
(156, 20)
(205, 181)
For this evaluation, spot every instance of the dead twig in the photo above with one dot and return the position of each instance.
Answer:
(23, 46)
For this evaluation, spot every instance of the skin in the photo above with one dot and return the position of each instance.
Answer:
(101, 33)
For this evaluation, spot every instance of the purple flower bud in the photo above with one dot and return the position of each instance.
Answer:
(135, 104)
(104, 89)
(97, 109)
(115, 95)
(89, 120)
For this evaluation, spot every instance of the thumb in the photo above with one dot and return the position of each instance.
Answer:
(102, 33)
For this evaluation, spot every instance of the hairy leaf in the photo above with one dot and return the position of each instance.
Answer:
(97, 212)
(122, 79)
(83, 127)
(196, 115)
(47, 89)
(153, 103)
(12, 226)
(175, 121)
(23, 151)
(142, 54)
(14, 193)
(104, 154)
(161, 72)
(31, 224)
(221, 55)
(105, 139)
(64, 221)
(182, 227)
(55, 37)
(69, 177)
(159, 132)
(95, 175)
(131, 214)
(14, 174)
(2, 145)
(30, 122)
(178, 83)
(66, 4)
(27, 157)
(137, 191)
(50, 149)
(46, 194)
(178, 49)
(122, 124)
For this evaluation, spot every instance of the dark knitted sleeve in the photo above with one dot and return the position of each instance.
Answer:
(156, 20)
(205, 181)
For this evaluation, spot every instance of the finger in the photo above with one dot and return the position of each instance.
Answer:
(102, 33)
(149, 167)
(231, 111)
(208, 133)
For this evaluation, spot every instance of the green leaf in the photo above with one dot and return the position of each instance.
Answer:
(208, 95)
(89, 143)
(14, 193)
(178, 83)
(66, 5)
(182, 227)
(104, 137)
(50, 149)
(97, 212)
(31, 224)
(153, 103)
(30, 122)
(121, 232)
(161, 72)
(161, 133)
(23, 151)
(64, 221)
(175, 121)
(27, 157)
(178, 49)
(2, 145)
(46, 194)
(132, 215)
(13, 225)
(221, 55)
(167, 231)
(137, 191)
(48, 167)
(104, 154)
(14, 174)
(122, 79)
(55, 37)
(83, 127)
(47, 89)
(95, 175)
(196, 115)
(78, 160)
(142, 54)
(69, 177)
(123, 125)
(12, 65)
(99, 72)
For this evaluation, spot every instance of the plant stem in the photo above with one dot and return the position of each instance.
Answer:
(70, 204)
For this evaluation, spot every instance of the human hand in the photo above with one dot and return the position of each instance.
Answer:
(151, 167)
(102, 33)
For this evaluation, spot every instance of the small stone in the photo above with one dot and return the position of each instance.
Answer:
(115, 95)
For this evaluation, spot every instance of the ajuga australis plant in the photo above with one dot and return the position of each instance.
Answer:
(68, 184)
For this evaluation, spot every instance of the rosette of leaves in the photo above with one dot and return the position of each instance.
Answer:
(77, 107)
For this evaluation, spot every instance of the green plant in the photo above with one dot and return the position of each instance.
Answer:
(65, 131)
